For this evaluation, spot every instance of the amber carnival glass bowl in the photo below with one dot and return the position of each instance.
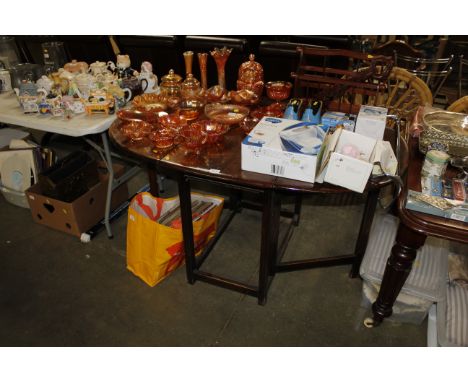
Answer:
(278, 90)
(128, 115)
(226, 113)
(194, 136)
(214, 130)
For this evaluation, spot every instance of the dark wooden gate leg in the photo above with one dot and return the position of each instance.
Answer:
(153, 181)
(297, 209)
(187, 227)
(269, 243)
(364, 230)
(396, 271)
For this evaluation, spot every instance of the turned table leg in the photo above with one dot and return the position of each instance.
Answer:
(396, 271)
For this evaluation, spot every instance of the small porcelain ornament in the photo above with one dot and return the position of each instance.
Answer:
(148, 75)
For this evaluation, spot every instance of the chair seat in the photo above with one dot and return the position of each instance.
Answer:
(452, 317)
(427, 278)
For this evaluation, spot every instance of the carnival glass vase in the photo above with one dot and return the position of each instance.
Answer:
(220, 56)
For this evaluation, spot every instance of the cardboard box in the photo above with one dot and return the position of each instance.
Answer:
(371, 121)
(331, 119)
(80, 215)
(344, 170)
(283, 147)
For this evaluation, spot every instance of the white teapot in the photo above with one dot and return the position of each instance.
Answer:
(97, 68)
(86, 83)
(106, 79)
(45, 83)
(148, 75)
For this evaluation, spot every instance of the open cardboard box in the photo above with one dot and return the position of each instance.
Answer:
(83, 213)
(347, 171)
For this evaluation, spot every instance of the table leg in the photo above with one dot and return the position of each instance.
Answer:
(364, 230)
(187, 226)
(269, 243)
(110, 169)
(297, 209)
(396, 271)
(153, 180)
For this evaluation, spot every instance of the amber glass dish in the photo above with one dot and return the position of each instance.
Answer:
(278, 90)
(225, 113)
(149, 102)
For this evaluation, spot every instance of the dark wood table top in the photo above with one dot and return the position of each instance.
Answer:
(427, 224)
(222, 162)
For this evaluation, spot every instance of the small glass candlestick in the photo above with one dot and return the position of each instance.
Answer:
(202, 61)
(220, 56)
(188, 58)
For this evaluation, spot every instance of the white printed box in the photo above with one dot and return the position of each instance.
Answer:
(283, 147)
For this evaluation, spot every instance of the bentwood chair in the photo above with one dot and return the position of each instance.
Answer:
(397, 47)
(433, 71)
(460, 105)
(462, 80)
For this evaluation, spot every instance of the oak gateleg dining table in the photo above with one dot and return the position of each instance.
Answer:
(220, 164)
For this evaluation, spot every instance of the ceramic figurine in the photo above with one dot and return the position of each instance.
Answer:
(30, 105)
(100, 102)
(122, 67)
(44, 108)
(148, 75)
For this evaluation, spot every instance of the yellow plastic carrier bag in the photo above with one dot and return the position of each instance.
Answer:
(155, 249)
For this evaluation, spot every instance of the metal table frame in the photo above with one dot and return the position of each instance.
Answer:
(80, 126)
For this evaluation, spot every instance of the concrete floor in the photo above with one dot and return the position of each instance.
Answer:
(57, 291)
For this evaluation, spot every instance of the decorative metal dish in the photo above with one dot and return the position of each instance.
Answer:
(446, 128)
(447, 122)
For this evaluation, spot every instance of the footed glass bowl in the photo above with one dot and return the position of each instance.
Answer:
(225, 113)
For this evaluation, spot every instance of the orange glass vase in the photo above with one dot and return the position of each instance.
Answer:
(220, 56)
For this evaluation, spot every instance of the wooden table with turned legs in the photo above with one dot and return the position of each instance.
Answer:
(412, 232)
(220, 164)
